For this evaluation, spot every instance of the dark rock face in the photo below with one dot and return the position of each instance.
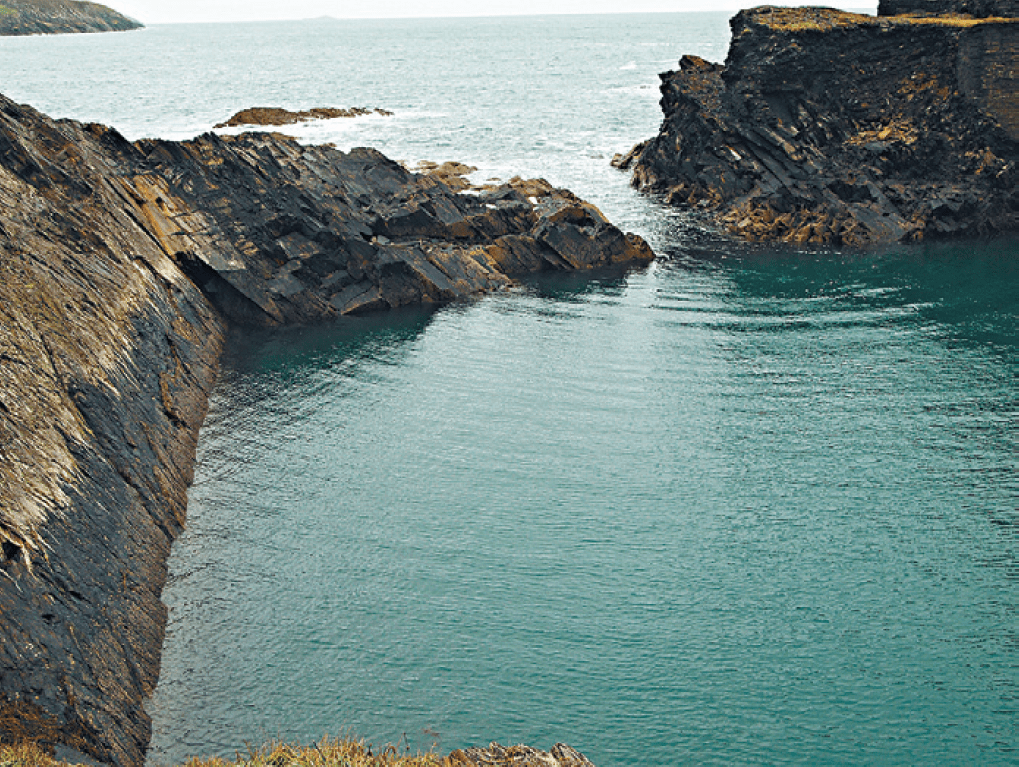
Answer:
(120, 266)
(829, 127)
(278, 233)
(977, 8)
(38, 17)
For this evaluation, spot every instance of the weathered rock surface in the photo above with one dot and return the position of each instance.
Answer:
(559, 755)
(279, 233)
(838, 128)
(107, 354)
(37, 17)
(120, 265)
(277, 116)
(977, 8)
(451, 173)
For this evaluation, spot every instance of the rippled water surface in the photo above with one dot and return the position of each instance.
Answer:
(740, 507)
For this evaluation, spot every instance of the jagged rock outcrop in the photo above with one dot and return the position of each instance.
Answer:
(38, 17)
(280, 233)
(121, 265)
(838, 128)
(278, 116)
(559, 755)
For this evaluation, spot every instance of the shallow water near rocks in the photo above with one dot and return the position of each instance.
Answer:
(744, 506)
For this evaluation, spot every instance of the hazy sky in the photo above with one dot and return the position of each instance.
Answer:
(164, 11)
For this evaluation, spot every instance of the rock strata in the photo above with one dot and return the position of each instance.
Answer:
(121, 265)
(107, 355)
(39, 17)
(279, 233)
(559, 755)
(453, 174)
(277, 116)
(827, 127)
(975, 8)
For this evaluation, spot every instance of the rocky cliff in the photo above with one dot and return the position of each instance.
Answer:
(121, 265)
(37, 17)
(838, 128)
(976, 8)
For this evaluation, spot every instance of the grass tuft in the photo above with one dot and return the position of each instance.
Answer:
(329, 752)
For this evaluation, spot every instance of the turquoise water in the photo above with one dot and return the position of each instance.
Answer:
(758, 510)
(745, 506)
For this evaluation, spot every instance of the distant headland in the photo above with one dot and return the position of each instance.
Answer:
(42, 17)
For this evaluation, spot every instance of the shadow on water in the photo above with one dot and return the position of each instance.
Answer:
(575, 287)
(285, 352)
(964, 290)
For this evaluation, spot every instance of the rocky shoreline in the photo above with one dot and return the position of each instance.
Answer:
(43, 17)
(830, 128)
(123, 266)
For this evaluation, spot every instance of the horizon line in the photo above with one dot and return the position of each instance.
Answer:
(330, 17)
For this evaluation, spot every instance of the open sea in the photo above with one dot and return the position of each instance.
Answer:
(746, 506)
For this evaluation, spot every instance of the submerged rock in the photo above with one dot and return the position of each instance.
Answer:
(837, 128)
(121, 265)
(38, 17)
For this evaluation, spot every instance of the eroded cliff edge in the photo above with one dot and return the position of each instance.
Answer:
(40, 17)
(837, 128)
(121, 266)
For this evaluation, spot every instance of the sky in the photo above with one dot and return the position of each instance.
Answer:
(177, 11)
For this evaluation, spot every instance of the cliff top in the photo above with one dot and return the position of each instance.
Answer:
(828, 19)
(37, 17)
(983, 8)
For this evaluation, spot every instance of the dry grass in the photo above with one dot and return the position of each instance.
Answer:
(827, 20)
(25, 754)
(329, 752)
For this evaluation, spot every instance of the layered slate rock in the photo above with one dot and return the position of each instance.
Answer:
(121, 266)
(837, 128)
(975, 8)
(560, 755)
(39, 17)
(107, 355)
(280, 233)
